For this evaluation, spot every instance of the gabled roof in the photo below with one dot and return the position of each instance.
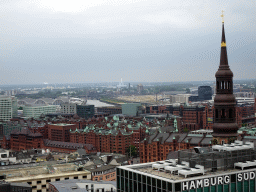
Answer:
(68, 145)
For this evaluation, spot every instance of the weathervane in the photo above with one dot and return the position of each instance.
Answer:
(222, 15)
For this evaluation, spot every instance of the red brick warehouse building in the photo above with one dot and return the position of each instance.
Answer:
(60, 131)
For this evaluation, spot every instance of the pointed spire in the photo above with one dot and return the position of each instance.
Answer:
(223, 54)
(223, 39)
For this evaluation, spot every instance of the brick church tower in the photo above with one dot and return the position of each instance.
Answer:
(225, 126)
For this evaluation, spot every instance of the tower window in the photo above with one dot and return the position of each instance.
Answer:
(218, 85)
(222, 85)
(216, 113)
(223, 113)
(230, 113)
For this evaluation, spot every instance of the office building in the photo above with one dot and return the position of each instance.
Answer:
(222, 168)
(131, 109)
(8, 108)
(85, 111)
(245, 100)
(180, 98)
(204, 93)
(139, 88)
(35, 110)
(110, 110)
(68, 108)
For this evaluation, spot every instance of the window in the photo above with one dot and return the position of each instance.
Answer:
(216, 113)
(218, 85)
(230, 113)
(223, 113)
(38, 182)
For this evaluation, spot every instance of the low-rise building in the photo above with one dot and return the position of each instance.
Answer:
(82, 185)
(39, 177)
(13, 187)
(36, 110)
(110, 110)
(67, 147)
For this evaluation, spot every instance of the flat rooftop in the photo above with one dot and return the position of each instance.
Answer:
(201, 163)
(39, 172)
(146, 169)
(62, 124)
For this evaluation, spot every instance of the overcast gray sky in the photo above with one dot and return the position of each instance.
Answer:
(64, 41)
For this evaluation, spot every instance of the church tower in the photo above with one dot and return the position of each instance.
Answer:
(225, 126)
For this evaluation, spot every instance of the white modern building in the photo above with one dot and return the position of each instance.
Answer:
(68, 108)
(36, 111)
(245, 100)
(8, 107)
(180, 98)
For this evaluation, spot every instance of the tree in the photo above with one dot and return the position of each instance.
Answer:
(132, 151)
(215, 142)
(185, 130)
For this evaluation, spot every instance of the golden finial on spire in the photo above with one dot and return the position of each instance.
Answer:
(222, 15)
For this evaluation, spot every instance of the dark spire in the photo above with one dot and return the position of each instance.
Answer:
(224, 126)
(223, 54)
(223, 40)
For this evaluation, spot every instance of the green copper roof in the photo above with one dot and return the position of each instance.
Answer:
(116, 118)
(76, 131)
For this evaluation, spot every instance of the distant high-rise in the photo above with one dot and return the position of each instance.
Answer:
(8, 108)
(225, 126)
(204, 93)
(121, 84)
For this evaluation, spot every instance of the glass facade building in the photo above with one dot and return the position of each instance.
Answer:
(85, 111)
(36, 111)
(131, 109)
